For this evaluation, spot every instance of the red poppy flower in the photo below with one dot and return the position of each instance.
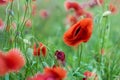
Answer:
(3, 2)
(76, 6)
(12, 61)
(15, 60)
(56, 73)
(79, 32)
(3, 66)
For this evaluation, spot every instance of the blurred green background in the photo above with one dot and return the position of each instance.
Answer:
(50, 31)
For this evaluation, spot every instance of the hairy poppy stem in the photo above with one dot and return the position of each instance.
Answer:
(7, 34)
(79, 54)
(25, 14)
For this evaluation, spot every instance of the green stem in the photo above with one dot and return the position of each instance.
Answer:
(18, 16)
(41, 61)
(23, 23)
(79, 54)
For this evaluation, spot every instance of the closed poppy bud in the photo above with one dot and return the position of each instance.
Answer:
(43, 49)
(28, 23)
(79, 32)
(36, 50)
(112, 8)
(44, 14)
(60, 55)
(34, 9)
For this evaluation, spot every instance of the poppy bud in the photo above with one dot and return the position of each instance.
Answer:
(41, 48)
(60, 55)
(28, 23)
(36, 50)
(112, 8)
(44, 14)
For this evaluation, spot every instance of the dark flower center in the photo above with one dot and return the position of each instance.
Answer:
(77, 31)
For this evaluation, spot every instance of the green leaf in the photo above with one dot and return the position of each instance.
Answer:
(78, 74)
